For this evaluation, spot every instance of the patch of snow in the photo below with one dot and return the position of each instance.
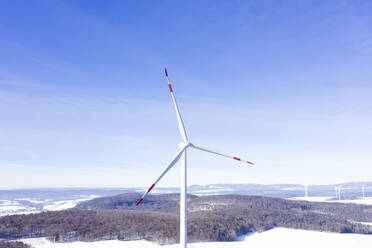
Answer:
(360, 222)
(215, 191)
(288, 189)
(311, 198)
(209, 205)
(18, 205)
(7, 202)
(245, 236)
(36, 201)
(216, 187)
(156, 191)
(366, 223)
(61, 205)
(8, 207)
(366, 201)
(12, 208)
(16, 210)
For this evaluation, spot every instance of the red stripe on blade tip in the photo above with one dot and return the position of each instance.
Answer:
(237, 158)
(170, 88)
(249, 162)
(166, 72)
(152, 186)
(139, 201)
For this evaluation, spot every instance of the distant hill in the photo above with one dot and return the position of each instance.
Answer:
(211, 218)
(169, 203)
(24, 201)
(158, 202)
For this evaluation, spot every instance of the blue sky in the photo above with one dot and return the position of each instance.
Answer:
(84, 101)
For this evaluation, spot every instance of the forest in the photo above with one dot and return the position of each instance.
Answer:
(211, 218)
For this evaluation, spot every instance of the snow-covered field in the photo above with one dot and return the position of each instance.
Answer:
(278, 238)
(13, 207)
(60, 205)
(30, 205)
(311, 198)
(365, 201)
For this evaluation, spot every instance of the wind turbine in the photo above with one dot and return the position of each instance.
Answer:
(336, 189)
(306, 191)
(181, 154)
(339, 193)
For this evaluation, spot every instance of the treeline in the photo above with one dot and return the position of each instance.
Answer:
(92, 225)
(211, 218)
(15, 244)
(162, 202)
(348, 211)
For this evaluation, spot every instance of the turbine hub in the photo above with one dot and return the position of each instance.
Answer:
(184, 144)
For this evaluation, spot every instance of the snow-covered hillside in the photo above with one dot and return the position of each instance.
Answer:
(30, 205)
(278, 238)
(25, 201)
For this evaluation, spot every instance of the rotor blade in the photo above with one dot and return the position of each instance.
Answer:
(179, 119)
(169, 166)
(222, 154)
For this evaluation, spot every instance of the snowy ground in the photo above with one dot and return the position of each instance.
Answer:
(278, 238)
(60, 205)
(366, 201)
(30, 205)
(311, 198)
(12, 207)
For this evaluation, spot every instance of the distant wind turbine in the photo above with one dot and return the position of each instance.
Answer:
(339, 193)
(182, 154)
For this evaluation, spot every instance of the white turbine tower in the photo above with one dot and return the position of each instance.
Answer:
(182, 154)
(339, 192)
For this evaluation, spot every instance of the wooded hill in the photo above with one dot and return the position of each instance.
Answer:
(211, 218)
(169, 203)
